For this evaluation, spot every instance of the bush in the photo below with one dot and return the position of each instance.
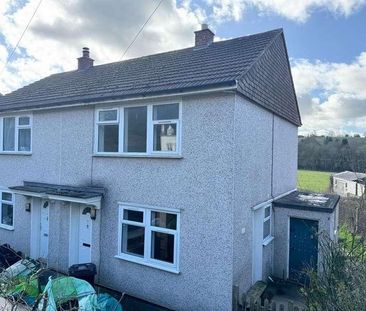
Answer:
(341, 283)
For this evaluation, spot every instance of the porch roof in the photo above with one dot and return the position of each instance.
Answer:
(78, 194)
(317, 202)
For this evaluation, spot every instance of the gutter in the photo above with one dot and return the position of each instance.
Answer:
(260, 205)
(136, 98)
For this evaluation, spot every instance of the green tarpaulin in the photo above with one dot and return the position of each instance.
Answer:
(64, 289)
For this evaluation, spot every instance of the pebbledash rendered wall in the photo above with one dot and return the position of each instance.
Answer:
(229, 153)
(265, 167)
(200, 185)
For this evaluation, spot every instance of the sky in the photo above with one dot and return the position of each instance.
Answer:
(326, 41)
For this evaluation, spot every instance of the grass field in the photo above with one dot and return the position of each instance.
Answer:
(313, 180)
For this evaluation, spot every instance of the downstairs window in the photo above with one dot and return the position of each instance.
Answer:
(7, 210)
(149, 236)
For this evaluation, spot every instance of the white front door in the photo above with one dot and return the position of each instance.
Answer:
(44, 229)
(258, 245)
(85, 232)
(80, 234)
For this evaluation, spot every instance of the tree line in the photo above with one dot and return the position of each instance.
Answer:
(333, 154)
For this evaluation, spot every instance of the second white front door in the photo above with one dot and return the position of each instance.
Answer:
(44, 229)
(85, 232)
(80, 234)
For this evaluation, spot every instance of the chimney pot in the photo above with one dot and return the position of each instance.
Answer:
(203, 37)
(85, 62)
(86, 52)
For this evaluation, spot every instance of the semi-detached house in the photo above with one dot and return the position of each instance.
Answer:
(174, 173)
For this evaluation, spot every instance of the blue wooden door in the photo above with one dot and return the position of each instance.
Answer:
(303, 248)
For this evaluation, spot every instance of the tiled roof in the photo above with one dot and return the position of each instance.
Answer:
(256, 64)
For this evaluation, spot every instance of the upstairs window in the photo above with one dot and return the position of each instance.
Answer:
(16, 132)
(108, 130)
(149, 236)
(141, 130)
(135, 129)
(165, 122)
(6, 210)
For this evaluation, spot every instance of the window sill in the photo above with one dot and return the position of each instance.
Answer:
(124, 155)
(21, 153)
(268, 240)
(9, 228)
(148, 264)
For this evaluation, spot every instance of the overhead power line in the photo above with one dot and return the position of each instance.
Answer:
(21, 36)
(141, 29)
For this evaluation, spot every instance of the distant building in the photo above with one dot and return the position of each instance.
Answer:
(349, 183)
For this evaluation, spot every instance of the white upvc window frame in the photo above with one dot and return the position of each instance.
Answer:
(109, 122)
(165, 122)
(149, 131)
(147, 259)
(12, 203)
(269, 237)
(16, 134)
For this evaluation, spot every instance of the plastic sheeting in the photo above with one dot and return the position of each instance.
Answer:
(22, 268)
(108, 303)
(64, 289)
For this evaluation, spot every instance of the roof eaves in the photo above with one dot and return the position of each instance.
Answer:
(232, 84)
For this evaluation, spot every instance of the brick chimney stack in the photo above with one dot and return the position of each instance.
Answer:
(85, 62)
(204, 37)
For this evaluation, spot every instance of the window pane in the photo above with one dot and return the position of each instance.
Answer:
(24, 121)
(267, 211)
(24, 140)
(165, 137)
(266, 228)
(6, 196)
(133, 215)
(164, 220)
(135, 129)
(162, 246)
(133, 238)
(7, 214)
(108, 138)
(108, 115)
(166, 112)
(9, 134)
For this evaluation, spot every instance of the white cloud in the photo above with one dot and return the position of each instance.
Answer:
(61, 28)
(297, 10)
(331, 95)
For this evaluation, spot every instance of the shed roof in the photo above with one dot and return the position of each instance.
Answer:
(317, 202)
(350, 176)
(256, 66)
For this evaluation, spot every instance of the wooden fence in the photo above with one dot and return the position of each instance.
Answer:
(241, 304)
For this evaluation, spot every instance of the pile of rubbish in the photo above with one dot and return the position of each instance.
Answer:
(27, 283)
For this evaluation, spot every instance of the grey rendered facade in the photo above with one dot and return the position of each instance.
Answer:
(202, 185)
(237, 153)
